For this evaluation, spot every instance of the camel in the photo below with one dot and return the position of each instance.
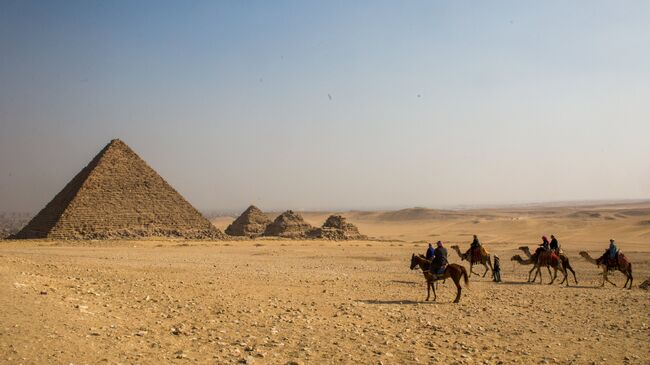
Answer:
(453, 271)
(626, 268)
(565, 264)
(485, 260)
(545, 260)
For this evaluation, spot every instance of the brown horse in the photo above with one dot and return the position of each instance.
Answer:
(623, 265)
(453, 271)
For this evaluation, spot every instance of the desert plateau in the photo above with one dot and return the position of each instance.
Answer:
(279, 301)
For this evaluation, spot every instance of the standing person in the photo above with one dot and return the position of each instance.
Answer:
(430, 252)
(439, 260)
(555, 245)
(497, 269)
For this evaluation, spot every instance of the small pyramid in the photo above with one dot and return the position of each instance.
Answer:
(251, 223)
(289, 225)
(337, 228)
(117, 195)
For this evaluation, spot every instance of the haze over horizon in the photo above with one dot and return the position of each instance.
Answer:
(331, 106)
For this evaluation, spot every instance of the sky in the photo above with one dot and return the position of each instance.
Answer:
(331, 105)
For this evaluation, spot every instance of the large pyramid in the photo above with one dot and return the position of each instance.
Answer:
(289, 225)
(118, 196)
(251, 223)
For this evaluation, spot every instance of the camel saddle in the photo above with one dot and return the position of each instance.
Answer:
(548, 258)
(478, 253)
(619, 262)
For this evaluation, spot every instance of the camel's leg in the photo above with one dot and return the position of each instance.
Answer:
(631, 278)
(434, 293)
(486, 269)
(566, 276)
(530, 272)
(573, 272)
(538, 272)
(607, 278)
(458, 288)
(489, 262)
(429, 284)
(471, 269)
(628, 275)
(549, 271)
(538, 268)
(554, 275)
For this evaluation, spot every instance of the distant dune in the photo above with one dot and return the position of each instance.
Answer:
(577, 226)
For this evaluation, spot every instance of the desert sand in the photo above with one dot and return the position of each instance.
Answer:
(271, 301)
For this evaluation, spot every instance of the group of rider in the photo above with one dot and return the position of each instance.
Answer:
(438, 256)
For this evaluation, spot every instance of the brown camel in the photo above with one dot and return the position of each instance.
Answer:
(453, 271)
(544, 260)
(485, 260)
(625, 268)
(565, 264)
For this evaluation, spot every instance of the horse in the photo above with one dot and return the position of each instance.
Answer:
(453, 271)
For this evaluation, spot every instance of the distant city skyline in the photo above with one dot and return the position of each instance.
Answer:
(331, 106)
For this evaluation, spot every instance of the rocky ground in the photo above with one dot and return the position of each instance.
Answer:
(280, 302)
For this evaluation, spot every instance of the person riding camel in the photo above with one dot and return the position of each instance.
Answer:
(475, 243)
(613, 252)
(544, 246)
(439, 260)
(475, 248)
(555, 245)
(430, 252)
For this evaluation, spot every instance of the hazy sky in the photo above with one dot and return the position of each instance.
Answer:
(332, 104)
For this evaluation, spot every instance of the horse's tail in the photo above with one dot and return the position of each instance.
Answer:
(463, 271)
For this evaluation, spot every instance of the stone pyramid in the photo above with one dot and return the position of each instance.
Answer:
(118, 196)
(289, 225)
(337, 228)
(251, 223)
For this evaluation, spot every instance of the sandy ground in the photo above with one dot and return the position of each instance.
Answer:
(277, 302)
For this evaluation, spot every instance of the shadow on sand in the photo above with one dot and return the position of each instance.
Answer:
(408, 302)
(516, 283)
(554, 284)
(405, 282)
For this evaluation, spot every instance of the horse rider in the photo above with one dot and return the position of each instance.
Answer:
(439, 260)
(613, 252)
(554, 245)
(430, 252)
